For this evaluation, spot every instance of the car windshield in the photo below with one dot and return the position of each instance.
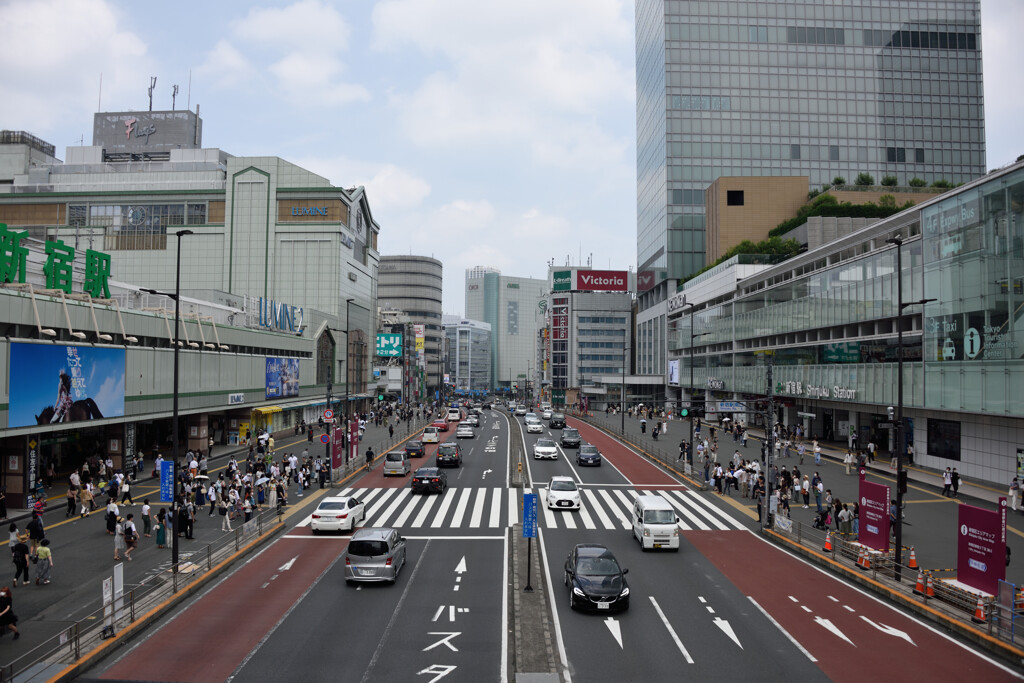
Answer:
(412, 445)
(563, 485)
(367, 548)
(659, 517)
(570, 433)
(333, 505)
(595, 566)
(446, 449)
(545, 443)
(426, 473)
(395, 456)
(588, 450)
(557, 416)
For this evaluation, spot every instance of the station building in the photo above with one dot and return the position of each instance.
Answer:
(826, 323)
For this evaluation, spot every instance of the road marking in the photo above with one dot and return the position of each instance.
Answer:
(386, 515)
(784, 632)
(848, 608)
(554, 613)
(805, 608)
(614, 508)
(446, 501)
(486, 472)
(833, 628)
(495, 516)
(410, 507)
(671, 631)
(568, 519)
(478, 508)
(513, 508)
(453, 538)
(627, 503)
(591, 497)
(793, 599)
(503, 625)
(424, 511)
(381, 501)
(460, 508)
(616, 630)
(287, 565)
(318, 538)
(833, 599)
(889, 630)
(687, 515)
(588, 521)
(714, 510)
(549, 517)
(727, 629)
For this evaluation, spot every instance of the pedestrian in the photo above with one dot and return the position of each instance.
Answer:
(369, 459)
(391, 431)
(819, 489)
(44, 563)
(19, 555)
(119, 545)
(36, 532)
(845, 521)
(954, 478)
(161, 528)
(1014, 494)
(643, 425)
(805, 489)
(85, 498)
(72, 499)
(131, 536)
(147, 521)
(817, 452)
(126, 494)
(856, 521)
(8, 620)
(947, 481)
(222, 510)
(112, 514)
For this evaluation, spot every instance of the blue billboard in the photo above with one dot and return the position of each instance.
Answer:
(57, 384)
(282, 377)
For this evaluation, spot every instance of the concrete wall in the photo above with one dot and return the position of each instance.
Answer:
(767, 201)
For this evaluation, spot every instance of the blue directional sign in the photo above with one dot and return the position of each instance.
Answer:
(529, 515)
(166, 481)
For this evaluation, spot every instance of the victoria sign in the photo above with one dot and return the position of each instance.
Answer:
(602, 280)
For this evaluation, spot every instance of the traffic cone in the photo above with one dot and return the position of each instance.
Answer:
(1018, 603)
(930, 588)
(912, 564)
(979, 612)
(828, 542)
(862, 559)
(920, 588)
(867, 559)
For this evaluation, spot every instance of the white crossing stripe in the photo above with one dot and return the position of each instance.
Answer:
(513, 508)
(478, 509)
(712, 511)
(542, 501)
(410, 506)
(688, 517)
(448, 496)
(424, 511)
(460, 508)
(371, 511)
(615, 508)
(591, 497)
(587, 520)
(399, 500)
(496, 507)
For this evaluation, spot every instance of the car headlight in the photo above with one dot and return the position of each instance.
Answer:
(675, 532)
(625, 592)
(647, 532)
(578, 592)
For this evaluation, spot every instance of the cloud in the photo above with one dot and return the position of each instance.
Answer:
(389, 187)
(67, 46)
(1003, 100)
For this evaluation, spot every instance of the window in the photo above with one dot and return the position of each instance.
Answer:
(794, 151)
(734, 198)
(944, 439)
(833, 152)
(919, 156)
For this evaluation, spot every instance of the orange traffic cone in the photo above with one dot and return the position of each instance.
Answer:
(930, 588)
(979, 612)
(862, 559)
(912, 564)
(919, 588)
(828, 542)
(1018, 603)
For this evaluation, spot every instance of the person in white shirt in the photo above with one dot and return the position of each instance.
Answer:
(147, 521)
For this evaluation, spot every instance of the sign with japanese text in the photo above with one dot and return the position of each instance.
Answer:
(529, 515)
(981, 546)
(389, 345)
(874, 514)
(59, 266)
(166, 481)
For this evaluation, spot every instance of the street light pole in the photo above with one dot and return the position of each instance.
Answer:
(622, 391)
(346, 429)
(174, 401)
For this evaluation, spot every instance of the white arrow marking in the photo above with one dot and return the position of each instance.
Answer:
(486, 472)
(287, 565)
(727, 629)
(889, 630)
(832, 627)
(616, 630)
(462, 565)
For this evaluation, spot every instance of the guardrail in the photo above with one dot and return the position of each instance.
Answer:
(84, 635)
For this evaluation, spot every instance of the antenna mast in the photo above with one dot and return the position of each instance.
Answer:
(152, 85)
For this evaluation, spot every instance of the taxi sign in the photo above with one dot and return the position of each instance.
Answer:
(328, 414)
(325, 438)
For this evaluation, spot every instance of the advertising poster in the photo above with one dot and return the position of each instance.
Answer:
(338, 446)
(602, 280)
(353, 439)
(981, 547)
(53, 384)
(874, 514)
(673, 372)
(282, 377)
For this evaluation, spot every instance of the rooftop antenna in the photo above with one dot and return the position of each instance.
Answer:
(189, 105)
(99, 98)
(174, 96)
(152, 85)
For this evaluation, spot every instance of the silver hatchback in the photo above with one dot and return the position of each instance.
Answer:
(374, 554)
(397, 462)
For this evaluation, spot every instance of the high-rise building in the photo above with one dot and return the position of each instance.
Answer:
(513, 306)
(794, 88)
(468, 361)
(412, 284)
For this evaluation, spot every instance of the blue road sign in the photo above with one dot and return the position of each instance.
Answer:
(325, 438)
(529, 515)
(166, 481)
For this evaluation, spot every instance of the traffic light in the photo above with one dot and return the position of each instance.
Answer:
(696, 409)
(901, 482)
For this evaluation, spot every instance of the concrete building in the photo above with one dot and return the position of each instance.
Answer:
(747, 208)
(512, 306)
(468, 364)
(412, 284)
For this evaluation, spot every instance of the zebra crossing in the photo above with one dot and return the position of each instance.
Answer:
(476, 508)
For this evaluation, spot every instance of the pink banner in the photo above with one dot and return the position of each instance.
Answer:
(353, 439)
(874, 514)
(337, 451)
(981, 547)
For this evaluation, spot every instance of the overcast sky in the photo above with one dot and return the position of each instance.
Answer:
(494, 133)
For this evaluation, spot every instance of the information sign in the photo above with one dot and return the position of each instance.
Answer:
(166, 481)
(529, 515)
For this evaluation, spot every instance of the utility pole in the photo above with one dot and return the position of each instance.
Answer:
(770, 441)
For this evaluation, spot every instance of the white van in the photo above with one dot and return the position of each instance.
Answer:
(655, 523)
(430, 435)
(454, 415)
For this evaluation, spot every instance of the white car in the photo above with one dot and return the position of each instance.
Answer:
(465, 431)
(530, 417)
(454, 415)
(545, 414)
(520, 409)
(431, 435)
(545, 448)
(563, 494)
(337, 513)
(534, 427)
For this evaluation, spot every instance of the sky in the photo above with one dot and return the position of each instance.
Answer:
(496, 133)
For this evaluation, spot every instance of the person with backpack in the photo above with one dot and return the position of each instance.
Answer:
(19, 554)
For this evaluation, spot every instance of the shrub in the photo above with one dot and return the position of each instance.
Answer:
(942, 184)
(887, 201)
(813, 193)
(889, 181)
(839, 180)
(864, 179)
(772, 245)
(917, 182)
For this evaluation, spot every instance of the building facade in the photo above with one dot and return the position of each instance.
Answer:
(826, 322)
(412, 284)
(513, 307)
(468, 364)
(793, 88)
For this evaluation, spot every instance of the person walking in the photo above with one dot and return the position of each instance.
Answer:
(1014, 494)
(85, 499)
(147, 520)
(72, 499)
(947, 482)
(954, 479)
(369, 459)
(805, 489)
(161, 528)
(126, 493)
(44, 563)
(119, 544)
(817, 452)
(36, 532)
(8, 620)
(19, 554)
(222, 509)
(819, 490)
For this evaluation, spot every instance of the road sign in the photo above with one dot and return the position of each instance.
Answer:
(325, 438)
(886, 425)
(529, 515)
(328, 414)
(166, 481)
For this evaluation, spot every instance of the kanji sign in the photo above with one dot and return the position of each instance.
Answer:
(389, 345)
(12, 255)
(59, 265)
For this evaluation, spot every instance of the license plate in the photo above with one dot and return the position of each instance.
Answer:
(563, 503)
(366, 572)
(657, 545)
(603, 605)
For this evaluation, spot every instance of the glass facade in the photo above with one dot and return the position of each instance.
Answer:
(469, 355)
(793, 87)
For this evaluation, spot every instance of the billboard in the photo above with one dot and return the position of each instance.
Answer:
(981, 546)
(602, 280)
(673, 372)
(282, 377)
(50, 384)
(389, 345)
(561, 281)
(874, 514)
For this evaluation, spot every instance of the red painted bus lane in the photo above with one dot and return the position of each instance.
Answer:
(633, 466)
(853, 636)
(216, 633)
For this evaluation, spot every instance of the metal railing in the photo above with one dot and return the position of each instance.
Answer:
(84, 635)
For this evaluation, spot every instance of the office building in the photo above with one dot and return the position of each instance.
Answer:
(412, 284)
(468, 364)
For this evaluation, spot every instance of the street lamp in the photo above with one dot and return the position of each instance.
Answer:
(622, 391)
(690, 305)
(174, 396)
(898, 241)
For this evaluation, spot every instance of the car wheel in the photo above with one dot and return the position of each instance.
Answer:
(572, 600)
(565, 577)
(315, 531)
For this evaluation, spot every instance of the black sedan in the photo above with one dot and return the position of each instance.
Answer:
(588, 455)
(570, 438)
(596, 581)
(449, 454)
(429, 480)
(414, 449)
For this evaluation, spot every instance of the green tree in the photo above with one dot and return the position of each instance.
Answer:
(864, 179)
(887, 201)
(943, 183)
(889, 181)
(917, 182)
(839, 180)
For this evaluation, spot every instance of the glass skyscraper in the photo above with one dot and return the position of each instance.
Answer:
(788, 87)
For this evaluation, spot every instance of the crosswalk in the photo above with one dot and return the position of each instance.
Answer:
(477, 508)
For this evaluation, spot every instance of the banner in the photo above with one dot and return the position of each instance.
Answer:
(389, 345)
(561, 280)
(338, 445)
(282, 377)
(874, 514)
(56, 384)
(981, 547)
(166, 481)
(673, 372)
(353, 439)
(602, 280)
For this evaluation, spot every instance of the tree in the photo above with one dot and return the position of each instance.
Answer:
(917, 182)
(887, 201)
(889, 181)
(839, 180)
(864, 179)
(943, 183)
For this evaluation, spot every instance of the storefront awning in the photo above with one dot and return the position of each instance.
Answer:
(267, 410)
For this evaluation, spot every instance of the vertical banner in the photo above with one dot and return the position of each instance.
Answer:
(338, 446)
(353, 439)
(981, 547)
(166, 481)
(874, 514)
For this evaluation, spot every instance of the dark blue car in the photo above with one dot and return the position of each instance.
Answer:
(588, 455)
(595, 579)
